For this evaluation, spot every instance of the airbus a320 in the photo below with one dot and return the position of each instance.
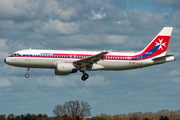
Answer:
(67, 62)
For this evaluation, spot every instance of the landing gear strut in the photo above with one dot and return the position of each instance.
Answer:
(27, 75)
(85, 76)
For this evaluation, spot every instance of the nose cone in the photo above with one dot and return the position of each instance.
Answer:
(5, 60)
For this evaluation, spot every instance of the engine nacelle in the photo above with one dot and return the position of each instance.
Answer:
(65, 69)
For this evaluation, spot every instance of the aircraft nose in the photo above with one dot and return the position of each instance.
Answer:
(5, 60)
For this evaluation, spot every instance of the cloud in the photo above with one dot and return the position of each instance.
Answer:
(8, 8)
(173, 4)
(56, 82)
(3, 55)
(54, 9)
(96, 81)
(84, 91)
(176, 80)
(97, 16)
(3, 44)
(116, 39)
(12, 9)
(174, 73)
(3, 49)
(57, 27)
(10, 25)
(4, 83)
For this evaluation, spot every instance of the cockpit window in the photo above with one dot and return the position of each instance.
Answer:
(15, 54)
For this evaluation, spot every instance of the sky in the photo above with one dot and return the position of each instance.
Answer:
(91, 25)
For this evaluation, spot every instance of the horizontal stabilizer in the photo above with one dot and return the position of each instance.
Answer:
(163, 57)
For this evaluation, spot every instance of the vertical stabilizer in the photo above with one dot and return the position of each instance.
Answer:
(158, 46)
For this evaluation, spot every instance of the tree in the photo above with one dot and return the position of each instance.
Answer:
(11, 117)
(134, 116)
(163, 118)
(98, 118)
(3, 117)
(73, 109)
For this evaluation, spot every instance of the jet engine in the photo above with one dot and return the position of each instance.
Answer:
(65, 69)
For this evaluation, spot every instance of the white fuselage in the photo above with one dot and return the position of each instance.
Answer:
(49, 59)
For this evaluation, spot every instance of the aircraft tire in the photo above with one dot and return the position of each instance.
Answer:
(26, 75)
(85, 77)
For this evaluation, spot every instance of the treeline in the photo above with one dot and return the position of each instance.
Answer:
(160, 115)
(25, 117)
(37, 117)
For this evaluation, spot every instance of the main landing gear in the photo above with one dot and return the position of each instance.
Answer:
(27, 75)
(85, 76)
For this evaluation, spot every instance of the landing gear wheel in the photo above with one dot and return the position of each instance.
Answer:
(26, 75)
(85, 76)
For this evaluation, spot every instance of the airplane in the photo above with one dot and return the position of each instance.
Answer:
(66, 62)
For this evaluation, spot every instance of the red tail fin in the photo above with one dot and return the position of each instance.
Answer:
(158, 46)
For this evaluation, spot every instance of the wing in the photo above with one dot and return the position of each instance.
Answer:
(88, 62)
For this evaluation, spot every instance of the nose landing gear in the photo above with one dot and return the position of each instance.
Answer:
(27, 75)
